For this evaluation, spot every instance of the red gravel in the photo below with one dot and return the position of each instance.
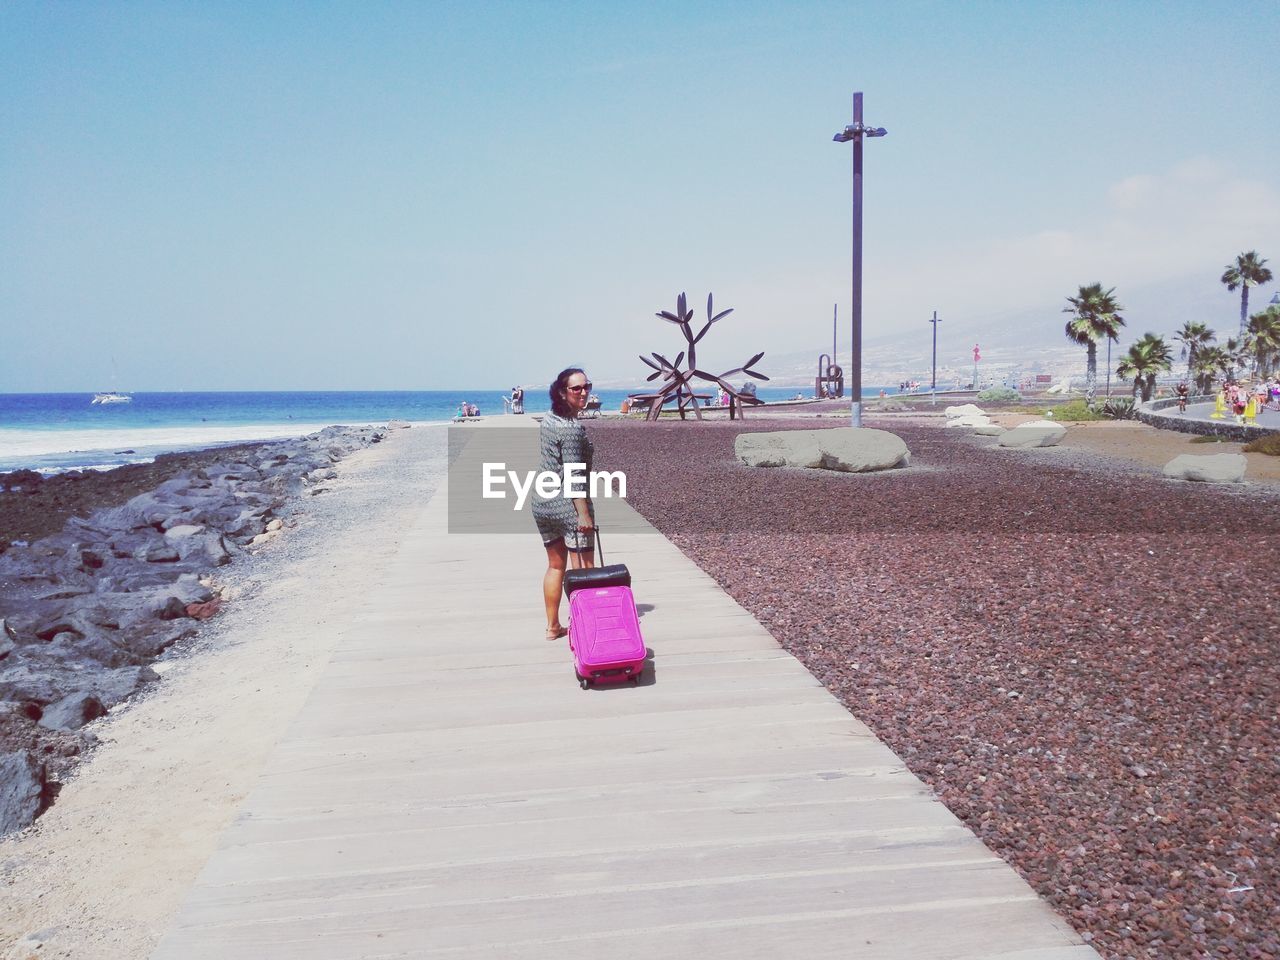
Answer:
(1081, 661)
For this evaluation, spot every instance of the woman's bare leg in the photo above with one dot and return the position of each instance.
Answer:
(552, 584)
(583, 559)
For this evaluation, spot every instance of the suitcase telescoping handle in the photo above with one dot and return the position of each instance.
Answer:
(599, 548)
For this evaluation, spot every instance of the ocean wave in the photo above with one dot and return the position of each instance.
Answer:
(59, 450)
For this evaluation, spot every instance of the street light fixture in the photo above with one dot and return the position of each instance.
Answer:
(857, 132)
(933, 385)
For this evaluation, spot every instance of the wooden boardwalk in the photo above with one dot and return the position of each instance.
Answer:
(449, 791)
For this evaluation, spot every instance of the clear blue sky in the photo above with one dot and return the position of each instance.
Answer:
(421, 195)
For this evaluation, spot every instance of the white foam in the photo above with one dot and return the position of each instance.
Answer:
(16, 444)
(57, 451)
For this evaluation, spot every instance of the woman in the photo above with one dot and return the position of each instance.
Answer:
(565, 523)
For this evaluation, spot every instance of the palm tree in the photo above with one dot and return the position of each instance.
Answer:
(1248, 271)
(1146, 359)
(1212, 363)
(1194, 337)
(1095, 314)
(1237, 349)
(1264, 339)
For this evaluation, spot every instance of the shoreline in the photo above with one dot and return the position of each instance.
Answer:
(146, 443)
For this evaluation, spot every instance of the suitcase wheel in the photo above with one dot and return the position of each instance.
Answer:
(584, 683)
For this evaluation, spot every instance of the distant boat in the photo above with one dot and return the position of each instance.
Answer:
(112, 397)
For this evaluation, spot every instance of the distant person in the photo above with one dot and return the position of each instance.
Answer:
(566, 524)
(1182, 397)
(517, 400)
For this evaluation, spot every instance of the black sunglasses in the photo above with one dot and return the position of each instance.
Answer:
(582, 389)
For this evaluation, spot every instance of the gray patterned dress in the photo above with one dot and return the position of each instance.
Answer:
(564, 440)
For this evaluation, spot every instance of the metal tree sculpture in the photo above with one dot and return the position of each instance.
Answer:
(677, 383)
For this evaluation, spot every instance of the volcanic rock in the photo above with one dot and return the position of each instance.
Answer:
(22, 781)
(72, 712)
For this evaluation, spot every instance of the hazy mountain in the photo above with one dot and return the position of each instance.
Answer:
(1013, 342)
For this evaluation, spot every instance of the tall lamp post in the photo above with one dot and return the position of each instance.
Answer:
(856, 131)
(933, 384)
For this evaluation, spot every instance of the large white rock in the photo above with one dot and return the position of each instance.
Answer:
(845, 448)
(988, 430)
(964, 410)
(775, 449)
(1208, 467)
(970, 421)
(860, 450)
(1036, 433)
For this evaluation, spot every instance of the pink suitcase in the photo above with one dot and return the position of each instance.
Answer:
(604, 628)
(604, 635)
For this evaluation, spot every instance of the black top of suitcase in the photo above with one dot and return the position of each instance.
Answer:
(614, 575)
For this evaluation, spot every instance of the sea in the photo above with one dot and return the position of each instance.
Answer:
(57, 432)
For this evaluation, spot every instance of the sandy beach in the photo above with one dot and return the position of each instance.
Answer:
(1061, 644)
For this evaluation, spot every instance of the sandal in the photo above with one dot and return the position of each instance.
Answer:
(556, 635)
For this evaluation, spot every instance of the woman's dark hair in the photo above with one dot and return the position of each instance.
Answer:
(559, 405)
